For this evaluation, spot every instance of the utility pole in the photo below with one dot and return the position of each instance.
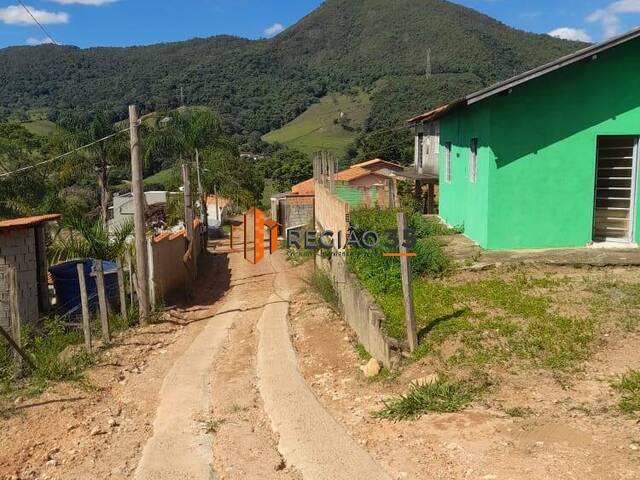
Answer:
(188, 201)
(138, 217)
(429, 63)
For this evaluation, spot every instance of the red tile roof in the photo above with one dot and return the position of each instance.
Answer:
(27, 222)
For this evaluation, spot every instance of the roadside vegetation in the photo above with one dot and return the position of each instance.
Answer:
(444, 395)
(485, 325)
(628, 386)
(58, 354)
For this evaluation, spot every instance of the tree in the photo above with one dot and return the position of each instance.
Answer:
(288, 167)
(103, 154)
(78, 238)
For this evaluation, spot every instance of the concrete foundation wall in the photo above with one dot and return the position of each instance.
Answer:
(18, 249)
(361, 312)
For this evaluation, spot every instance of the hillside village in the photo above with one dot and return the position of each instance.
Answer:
(316, 271)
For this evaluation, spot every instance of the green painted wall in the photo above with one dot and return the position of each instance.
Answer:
(537, 160)
(355, 196)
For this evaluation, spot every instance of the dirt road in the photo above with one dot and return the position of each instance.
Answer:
(183, 399)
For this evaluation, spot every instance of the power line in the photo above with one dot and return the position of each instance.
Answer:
(75, 150)
(39, 24)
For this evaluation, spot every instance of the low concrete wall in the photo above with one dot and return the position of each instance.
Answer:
(361, 312)
(169, 274)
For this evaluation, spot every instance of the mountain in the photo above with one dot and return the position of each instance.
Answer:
(380, 47)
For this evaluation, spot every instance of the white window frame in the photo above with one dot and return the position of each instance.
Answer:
(473, 160)
(447, 162)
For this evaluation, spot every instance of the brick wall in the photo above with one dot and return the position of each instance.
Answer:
(18, 249)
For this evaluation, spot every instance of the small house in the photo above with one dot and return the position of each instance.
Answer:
(23, 247)
(546, 159)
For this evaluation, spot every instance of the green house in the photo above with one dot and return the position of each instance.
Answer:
(547, 159)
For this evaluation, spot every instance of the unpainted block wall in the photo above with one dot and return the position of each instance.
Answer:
(18, 249)
(298, 211)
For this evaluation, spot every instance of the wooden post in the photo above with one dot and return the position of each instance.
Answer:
(23, 355)
(405, 268)
(139, 218)
(16, 315)
(102, 300)
(131, 289)
(188, 201)
(231, 238)
(86, 314)
(121, 290)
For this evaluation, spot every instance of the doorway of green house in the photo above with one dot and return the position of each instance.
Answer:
(615, 195)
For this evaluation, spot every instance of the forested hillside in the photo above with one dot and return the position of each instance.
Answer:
(378, 46)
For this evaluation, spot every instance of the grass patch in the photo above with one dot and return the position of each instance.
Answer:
(213, 426)
(385, 376)
(321, 126)
(321, 283)
(628, 385)
(519, 412)
(362, 353)
(442, 396)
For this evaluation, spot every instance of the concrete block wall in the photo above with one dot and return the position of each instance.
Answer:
(18, 249)
(361, 312)
(298, 211)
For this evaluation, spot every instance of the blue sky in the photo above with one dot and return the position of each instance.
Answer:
(88, 23)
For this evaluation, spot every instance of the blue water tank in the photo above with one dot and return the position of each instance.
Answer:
(67, 287)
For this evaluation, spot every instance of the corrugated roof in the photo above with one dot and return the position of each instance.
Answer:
(506, 85)
(27, 222)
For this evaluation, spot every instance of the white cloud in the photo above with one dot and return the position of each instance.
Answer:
(625, 6)
(609, 17)
(568, 33)
(610, 22)
(17, 15)
(38, 41)
(95, 3)
(274, 29)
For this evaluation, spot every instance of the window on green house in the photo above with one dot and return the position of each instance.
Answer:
(447, 162)
(473, 161)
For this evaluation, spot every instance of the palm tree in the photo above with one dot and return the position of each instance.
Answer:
(78, 238)
(103, 154)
